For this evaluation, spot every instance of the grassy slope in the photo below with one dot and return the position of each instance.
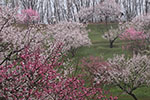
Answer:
(100, 47)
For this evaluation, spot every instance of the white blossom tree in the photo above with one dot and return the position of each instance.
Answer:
(14, 36)
(128, 74)
(112, 35)
(72, 34)
(106, 9)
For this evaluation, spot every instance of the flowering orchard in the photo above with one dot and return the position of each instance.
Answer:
(33, 63)
(31, 57)
(15, 36)
(126, 74)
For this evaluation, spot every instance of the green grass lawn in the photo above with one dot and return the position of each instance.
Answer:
(100, 48)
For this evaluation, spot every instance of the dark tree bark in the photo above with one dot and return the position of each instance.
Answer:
(134, 97)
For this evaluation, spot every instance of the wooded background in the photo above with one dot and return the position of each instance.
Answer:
(62, 10)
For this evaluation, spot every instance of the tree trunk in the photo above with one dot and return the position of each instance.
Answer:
(72, 51)
(111, 44)
(131, 94)
(106, 20)
(2, 98)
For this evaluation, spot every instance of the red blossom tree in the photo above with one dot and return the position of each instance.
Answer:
(97, 68)
(31, 77)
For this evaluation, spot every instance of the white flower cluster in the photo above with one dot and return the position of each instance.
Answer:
(71, 34)
(130, 73)
(111, 34)
(127, 74)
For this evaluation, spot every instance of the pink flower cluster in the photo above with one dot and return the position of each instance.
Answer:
(97, 67)
(28, 15)
(136, 40)
(132, 34)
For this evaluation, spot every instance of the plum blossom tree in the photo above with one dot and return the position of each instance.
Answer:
(136, 40)
(35, 78)
(28, 16)
(15, 37)
(96, 67)
(129, 74)
(72, 34)
(139, 23)
(112, 35)
(21, 80)
(106, 9)
(138, 28)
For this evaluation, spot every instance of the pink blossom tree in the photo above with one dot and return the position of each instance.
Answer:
(28, 16)
(35, 78)
(132, 34)
(135, 30)
(97, 68)
(136, 40)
